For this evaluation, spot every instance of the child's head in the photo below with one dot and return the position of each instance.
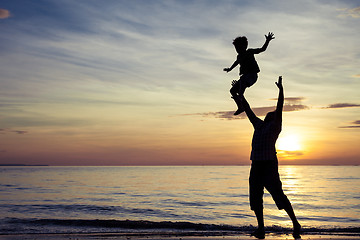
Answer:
(240, 43)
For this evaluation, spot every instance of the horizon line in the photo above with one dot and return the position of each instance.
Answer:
(164, 165)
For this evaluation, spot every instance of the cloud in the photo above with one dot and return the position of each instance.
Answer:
(4, 13)
(295, 107)
(342, 105)
(291, 100)
(289, 154)
(19, 131)
(353, 12)
(228, 115)
(291, 104)
(3, 131)
(259, 111)
(356, 125)
(294, 99)
(356, 75)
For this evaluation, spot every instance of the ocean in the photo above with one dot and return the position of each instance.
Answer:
(114, 199)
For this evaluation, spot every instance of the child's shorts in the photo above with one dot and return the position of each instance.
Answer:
(248, 79)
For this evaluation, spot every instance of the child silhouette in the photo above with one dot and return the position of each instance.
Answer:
(248, 66)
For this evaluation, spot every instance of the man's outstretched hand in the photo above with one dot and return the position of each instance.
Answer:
(279, 83)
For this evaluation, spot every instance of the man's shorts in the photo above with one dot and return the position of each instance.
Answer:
(264, 174)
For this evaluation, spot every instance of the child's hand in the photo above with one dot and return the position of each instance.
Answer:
(270, 36)
(227, 69)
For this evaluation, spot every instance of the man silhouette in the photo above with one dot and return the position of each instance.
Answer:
(264, 167)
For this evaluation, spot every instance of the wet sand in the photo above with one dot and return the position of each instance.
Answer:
(167, 236)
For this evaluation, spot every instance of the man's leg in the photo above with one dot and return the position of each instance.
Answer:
(256, 188)
(260, 231)
(274, 186)
(297, 227)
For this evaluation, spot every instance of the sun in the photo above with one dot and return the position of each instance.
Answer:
(289, 143)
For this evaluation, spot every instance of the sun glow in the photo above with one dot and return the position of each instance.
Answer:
(289, 143)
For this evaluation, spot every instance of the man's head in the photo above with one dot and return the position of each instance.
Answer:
(270, 116)
(240, 43)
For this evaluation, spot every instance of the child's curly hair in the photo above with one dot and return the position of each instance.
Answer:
(240, 41)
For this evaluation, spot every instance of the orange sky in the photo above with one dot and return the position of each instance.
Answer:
(143, 84)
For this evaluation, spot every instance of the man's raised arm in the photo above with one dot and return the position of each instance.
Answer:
(249, 113)
(280, 102)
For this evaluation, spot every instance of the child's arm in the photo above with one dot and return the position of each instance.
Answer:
(268, 37)
(232, 66)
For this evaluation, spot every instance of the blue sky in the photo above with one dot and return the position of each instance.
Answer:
(128, 80)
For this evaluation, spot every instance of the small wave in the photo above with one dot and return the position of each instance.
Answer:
(75, 208)
(130, 225)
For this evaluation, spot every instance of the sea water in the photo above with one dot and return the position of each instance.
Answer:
(85, 199)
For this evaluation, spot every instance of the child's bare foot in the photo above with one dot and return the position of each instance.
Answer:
(296, 232)
(240, 108)
(259, 233)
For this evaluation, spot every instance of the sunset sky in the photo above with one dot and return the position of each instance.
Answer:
(91, 82)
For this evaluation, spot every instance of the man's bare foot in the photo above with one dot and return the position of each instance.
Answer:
(296, 232)
(259, 233)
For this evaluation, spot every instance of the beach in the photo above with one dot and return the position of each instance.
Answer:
(209, 202)
(167, 236)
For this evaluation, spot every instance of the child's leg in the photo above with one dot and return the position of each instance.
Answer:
(234, 93)
(239, 105)
(235, 87)
(242, 88)
(238, 89)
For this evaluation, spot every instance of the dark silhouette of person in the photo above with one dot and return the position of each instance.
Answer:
(264, 167)
(248, 66)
